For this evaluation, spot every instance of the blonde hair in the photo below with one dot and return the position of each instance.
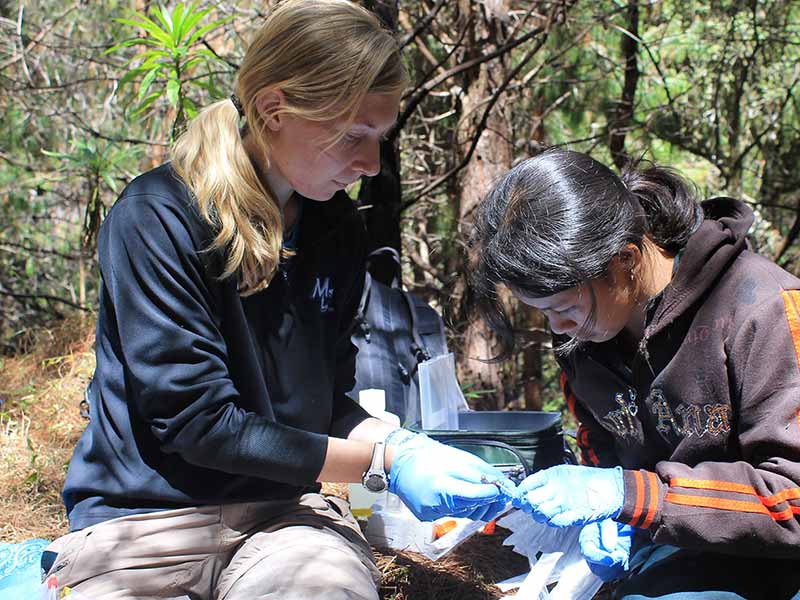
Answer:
(325, 56)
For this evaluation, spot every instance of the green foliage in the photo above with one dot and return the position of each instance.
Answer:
(173, 58)
(716, 99)
(62, 93)
(100, 164)
(95, 160)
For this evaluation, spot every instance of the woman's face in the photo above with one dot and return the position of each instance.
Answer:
(302, 158)
(616, 307)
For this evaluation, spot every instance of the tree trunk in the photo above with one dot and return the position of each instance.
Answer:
(528, 318)
(491, 159)
(622, 114)
(380, 196)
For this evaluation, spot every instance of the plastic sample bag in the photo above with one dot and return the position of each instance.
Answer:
(441, 398)
(20, 573)
(559, 560)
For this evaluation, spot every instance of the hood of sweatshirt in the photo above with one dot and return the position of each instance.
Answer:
(721, 237)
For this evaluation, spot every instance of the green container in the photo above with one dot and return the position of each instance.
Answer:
(519, 443)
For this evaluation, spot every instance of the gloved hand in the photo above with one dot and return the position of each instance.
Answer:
(606, 546)
(435, 480)
(568, 495)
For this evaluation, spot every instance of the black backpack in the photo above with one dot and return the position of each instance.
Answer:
(395, 331)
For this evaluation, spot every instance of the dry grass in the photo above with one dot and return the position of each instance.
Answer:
(40, 423)
(467, 573)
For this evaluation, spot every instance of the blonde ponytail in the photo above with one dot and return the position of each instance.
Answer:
(325, 56)
(211, 159)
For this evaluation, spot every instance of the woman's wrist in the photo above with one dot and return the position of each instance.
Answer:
(388, 457)
(399, 436)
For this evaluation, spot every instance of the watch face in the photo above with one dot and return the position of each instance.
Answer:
(375, 483)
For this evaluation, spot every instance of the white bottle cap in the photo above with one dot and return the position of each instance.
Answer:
(373, 401)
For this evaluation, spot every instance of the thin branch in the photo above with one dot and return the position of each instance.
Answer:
(46, 297)
(791, 236)
(521, 22)
(485, 117)
(16, 163)
(230, 63)
(61, 86)
(776, 117)
(416, 94)
(35, 41)
(656, 64)
(21, 56)
(480, 127)
(94, 133)
(423, 24)
(465, 66)
(4, 245)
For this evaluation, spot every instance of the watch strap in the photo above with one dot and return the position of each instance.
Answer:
(376, 470)
(378, 458)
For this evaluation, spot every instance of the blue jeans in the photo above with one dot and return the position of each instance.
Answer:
(670, 573)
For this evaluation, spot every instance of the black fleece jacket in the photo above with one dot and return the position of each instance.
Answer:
(201, 396)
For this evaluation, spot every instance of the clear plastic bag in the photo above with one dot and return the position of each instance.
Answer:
(50, 591)
(555, 557)
(441, 398)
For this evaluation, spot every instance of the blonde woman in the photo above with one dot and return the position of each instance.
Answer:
(230, 279)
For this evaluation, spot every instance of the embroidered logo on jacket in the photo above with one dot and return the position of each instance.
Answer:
(687, 420)
(323, 291)
(682, 420)
(623, 421)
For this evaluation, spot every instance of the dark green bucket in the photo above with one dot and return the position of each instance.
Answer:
(519, 443)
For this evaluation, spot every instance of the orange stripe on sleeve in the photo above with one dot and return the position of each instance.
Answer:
(571, 405)
(710, 484)
(733, 505)
(637, 511)
(739, 488)
(652, 505)
(785, 495)
(783, 515)
(588, 455)
(706, 502)
(569, 396)
(791, 299)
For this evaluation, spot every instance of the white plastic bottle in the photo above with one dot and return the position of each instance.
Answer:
(374, 402)
(361, 499)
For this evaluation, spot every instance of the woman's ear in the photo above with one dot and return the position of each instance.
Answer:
(629, 262)
(631, 256)
(268, 102)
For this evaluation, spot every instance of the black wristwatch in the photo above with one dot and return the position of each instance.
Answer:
(375, 478)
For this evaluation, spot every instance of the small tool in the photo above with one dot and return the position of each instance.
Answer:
(485, 479)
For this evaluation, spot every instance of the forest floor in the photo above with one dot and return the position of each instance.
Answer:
(40, 423)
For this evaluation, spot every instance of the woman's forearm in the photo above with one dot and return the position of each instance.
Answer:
(347, 460)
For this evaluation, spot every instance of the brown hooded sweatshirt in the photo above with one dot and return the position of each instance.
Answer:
(705, 419)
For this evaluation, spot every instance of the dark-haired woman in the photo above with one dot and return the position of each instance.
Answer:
(680, 351)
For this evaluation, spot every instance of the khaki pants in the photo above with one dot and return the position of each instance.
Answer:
(309, 547)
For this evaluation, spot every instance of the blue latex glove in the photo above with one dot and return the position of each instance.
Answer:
(606, 546)
(435, 480)
(568, 495)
